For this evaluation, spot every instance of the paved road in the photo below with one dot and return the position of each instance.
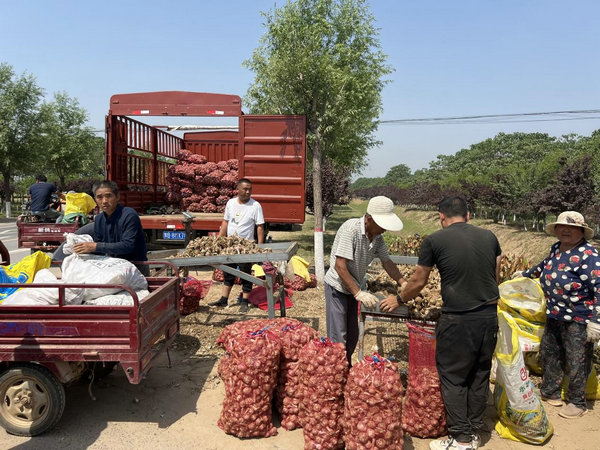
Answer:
(8, 236)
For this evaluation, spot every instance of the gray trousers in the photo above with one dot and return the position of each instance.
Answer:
(341, 315)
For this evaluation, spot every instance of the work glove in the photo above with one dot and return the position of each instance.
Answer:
(367, 299)
(593, 332)
(517, 274)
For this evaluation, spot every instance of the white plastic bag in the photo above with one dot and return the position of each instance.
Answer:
(101, 269)
(121, 298)
(44, 296)
(71, 239)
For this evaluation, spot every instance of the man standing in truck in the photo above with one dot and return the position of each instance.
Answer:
(40, 194)
(242, 215)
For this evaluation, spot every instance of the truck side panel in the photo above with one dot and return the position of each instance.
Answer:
(274, 157)
(137, 159)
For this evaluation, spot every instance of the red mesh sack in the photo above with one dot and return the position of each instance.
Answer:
(323, 369)
(298, 283)
(237, 329)
(250, 377)
(293, 335)
(193, 287)
(193, 291)
(313, 281)
(373, 405)
(424, 415)
(218, 275)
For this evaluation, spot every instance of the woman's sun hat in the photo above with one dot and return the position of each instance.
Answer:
(573, 219)
(381, 209)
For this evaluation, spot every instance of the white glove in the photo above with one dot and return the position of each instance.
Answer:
(517, 274)
(593, 332)
(367, 299)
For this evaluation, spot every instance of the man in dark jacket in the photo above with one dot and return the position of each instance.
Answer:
(40, 194)
(118, 230)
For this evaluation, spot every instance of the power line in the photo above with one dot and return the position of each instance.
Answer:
(582, 114)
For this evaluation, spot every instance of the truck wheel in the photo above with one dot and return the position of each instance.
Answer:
(33, 400)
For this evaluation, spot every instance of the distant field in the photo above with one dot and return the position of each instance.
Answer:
(533, 246)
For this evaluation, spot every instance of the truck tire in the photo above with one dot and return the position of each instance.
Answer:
(33, 400)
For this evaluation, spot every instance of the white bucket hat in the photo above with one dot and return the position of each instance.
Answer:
(381, 209)
(573, 219)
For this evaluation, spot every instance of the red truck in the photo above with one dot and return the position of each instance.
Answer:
(271, 151)
(44, 347)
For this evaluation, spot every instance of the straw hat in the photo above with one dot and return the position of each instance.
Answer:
(381, 209)
(573, 219)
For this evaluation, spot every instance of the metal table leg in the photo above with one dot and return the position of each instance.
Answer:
(361, 335)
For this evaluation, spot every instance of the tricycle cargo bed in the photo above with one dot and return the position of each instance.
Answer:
(43, 236)
(89, 333)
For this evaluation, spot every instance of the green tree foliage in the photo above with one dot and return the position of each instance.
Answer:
(69, 147)
(19, 125)
(323, 59)
(399, 175)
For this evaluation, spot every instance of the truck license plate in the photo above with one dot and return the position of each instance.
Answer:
(174, 235)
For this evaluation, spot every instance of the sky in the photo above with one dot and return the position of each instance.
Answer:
(450, 59)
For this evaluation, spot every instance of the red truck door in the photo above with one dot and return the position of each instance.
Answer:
(273, 157)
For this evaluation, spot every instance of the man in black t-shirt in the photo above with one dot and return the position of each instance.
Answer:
(468, 259)
(40, 194)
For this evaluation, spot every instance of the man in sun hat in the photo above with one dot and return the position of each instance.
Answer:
(468, 259)
(356, 244)
(570, 279)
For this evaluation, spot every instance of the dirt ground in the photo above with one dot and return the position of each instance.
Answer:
(178, 407)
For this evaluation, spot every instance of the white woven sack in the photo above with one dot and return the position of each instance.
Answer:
(101, 269)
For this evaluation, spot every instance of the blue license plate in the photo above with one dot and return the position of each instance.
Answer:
(174, 235)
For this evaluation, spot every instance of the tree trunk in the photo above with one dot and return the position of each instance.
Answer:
(318, 210)
(7, 195)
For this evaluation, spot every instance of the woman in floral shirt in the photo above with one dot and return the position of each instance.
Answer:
(570, 279)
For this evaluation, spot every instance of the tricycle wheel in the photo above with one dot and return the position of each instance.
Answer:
(33, 400)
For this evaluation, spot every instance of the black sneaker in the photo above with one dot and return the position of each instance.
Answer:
(244, 306)
(221, 302)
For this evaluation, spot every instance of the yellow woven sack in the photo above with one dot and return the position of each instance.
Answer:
(592, 388)
(79, 203)
(523, 297)
(22, 272)
(521, 416)
(300, 267)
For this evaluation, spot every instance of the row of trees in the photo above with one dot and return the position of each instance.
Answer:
(527, 175)
(38, 136)
(323, 59)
